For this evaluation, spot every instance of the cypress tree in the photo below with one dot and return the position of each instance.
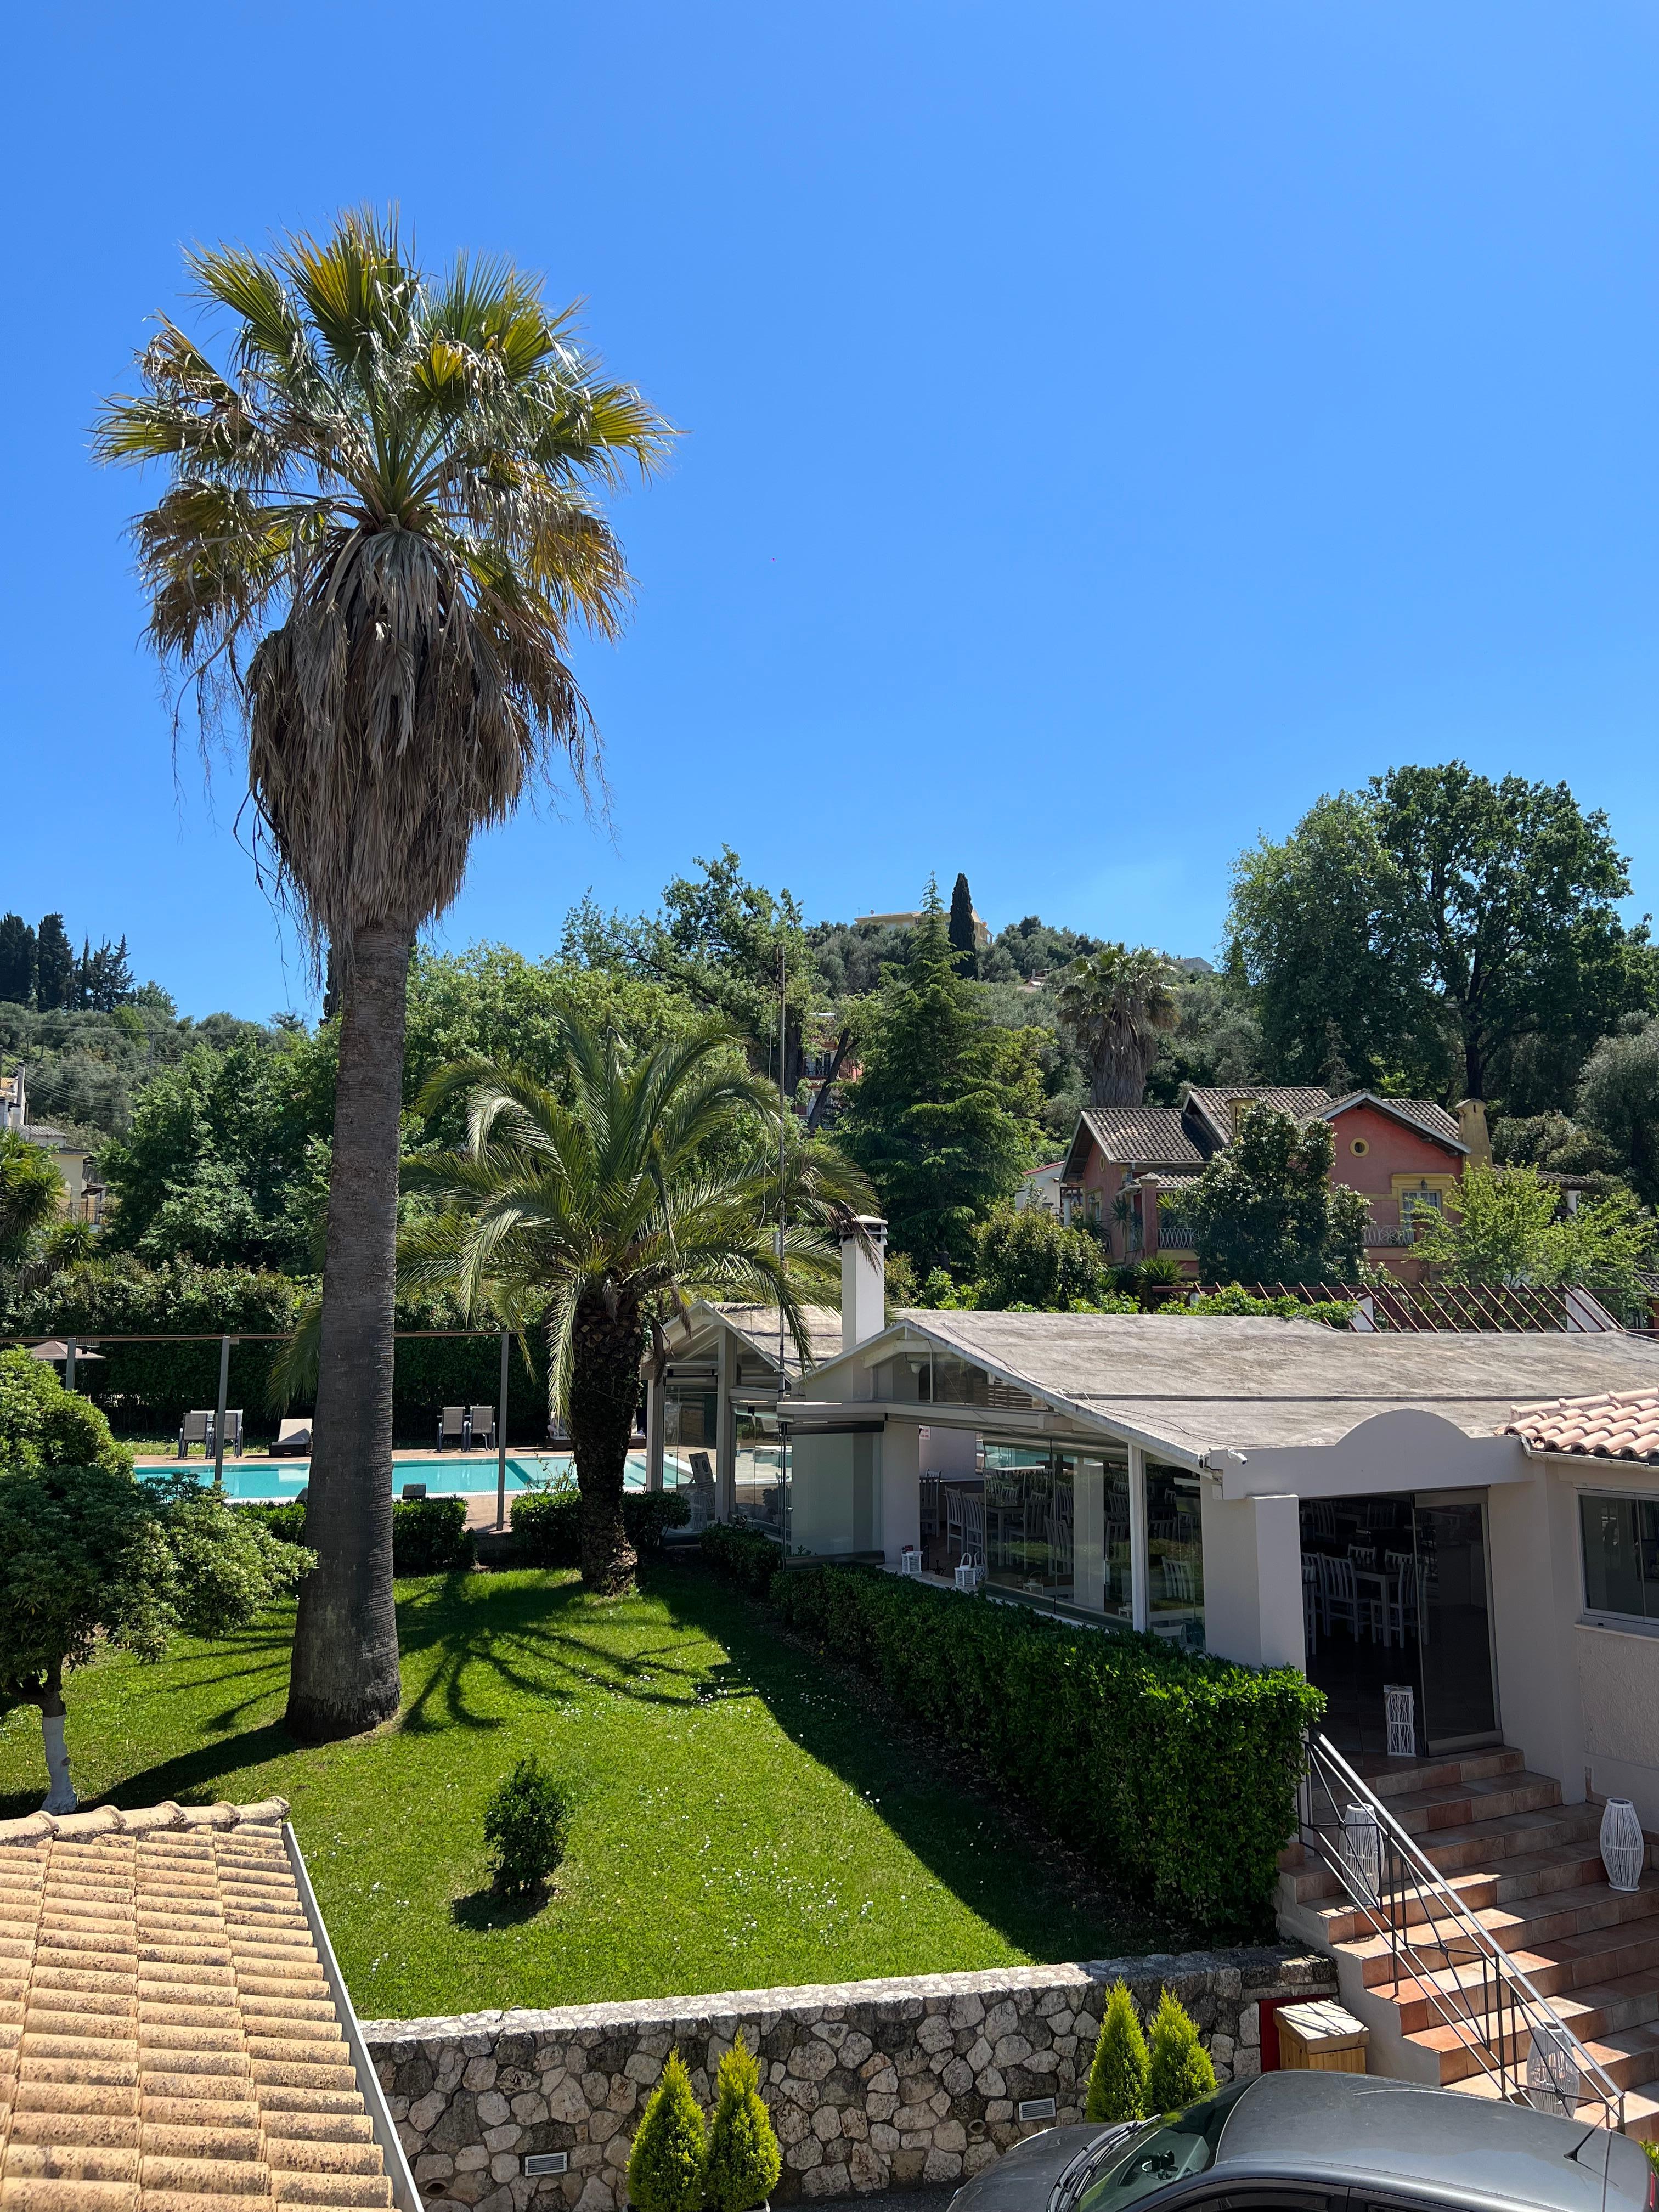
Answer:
(665, 2165)
(17, 960)
(963, 941)
(743, 2160)
(1117, 2080)
(1178, 2070)
(54, 964)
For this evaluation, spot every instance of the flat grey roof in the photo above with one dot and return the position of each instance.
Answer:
(1213, 1383)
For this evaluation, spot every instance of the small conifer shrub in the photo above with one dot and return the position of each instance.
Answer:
(665, 2166)
(1178, 2068)
(526, 1825)
(1117, 2080)
(743, 2158)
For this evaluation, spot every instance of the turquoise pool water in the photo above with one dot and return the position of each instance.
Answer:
(455, 1475)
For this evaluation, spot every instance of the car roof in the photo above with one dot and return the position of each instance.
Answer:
(1439, 2141)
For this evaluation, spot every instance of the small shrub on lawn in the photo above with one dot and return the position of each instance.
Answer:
(429, 1535)
(547, 1524)
(1117, 2080)
(743, 2160)
(1178, 2068)
(1175, 1770)
(665, 2165)
(525, 1825)
(743, 1555)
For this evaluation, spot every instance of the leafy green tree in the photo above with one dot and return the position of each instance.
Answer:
(1028, 1259)
(666, 2163)
(381, 528)
(90, 1556)
(54, 964)
(1508, 1225)
(17, 960)
(31, 1193)
(590, 1219)
(1178, 2068)
(225, 1160)
(1265, 1210)
(527, 1826)
(1117, 1003)
(743, 2160)
(1618, 1097)
(964, 941)
(1117, 2078)
(1442, 930)
(943, 1116)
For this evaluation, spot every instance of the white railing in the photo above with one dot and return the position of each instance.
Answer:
(1468, 1982)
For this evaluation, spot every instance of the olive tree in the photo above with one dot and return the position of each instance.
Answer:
(89, 1556)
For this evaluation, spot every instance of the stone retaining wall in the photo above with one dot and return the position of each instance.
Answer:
(872, 2085)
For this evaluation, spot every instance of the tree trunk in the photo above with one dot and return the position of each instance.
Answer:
(819, 1103)
(60, 1795)
(344, 1674)
(604, 1388)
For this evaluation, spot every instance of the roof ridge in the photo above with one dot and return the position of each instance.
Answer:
(101, 1820)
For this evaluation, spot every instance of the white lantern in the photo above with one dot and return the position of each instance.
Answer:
(1624, 1847)
(1400, 1710)
(1362, 1847)
(910, 1561)
(1552, 2072)
(969, 1575)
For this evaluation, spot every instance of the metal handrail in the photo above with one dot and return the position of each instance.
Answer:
(1566, 2075)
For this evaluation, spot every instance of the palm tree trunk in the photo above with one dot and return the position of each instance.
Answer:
(604, 1389)
(344, 1673)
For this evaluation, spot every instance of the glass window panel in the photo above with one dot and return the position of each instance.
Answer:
(1175, 1553)
(1647, 1546)
(759, 1473)
(1613, 1567)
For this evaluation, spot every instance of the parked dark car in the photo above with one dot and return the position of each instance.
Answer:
(1323, 2143)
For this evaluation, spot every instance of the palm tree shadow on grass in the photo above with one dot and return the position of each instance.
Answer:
(956, 1828)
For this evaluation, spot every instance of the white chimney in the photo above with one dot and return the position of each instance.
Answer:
(863, 1280)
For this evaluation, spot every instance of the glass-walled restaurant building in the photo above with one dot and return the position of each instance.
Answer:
(1383, 1511)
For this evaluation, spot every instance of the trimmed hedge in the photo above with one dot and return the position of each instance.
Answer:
(743, 1555)
(429, 1535)
(1176, 1772)
(547, 1524)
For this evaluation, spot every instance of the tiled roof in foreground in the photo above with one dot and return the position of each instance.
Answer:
(169, 2040)
(1617, 1425)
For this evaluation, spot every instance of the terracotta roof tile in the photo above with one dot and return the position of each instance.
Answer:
(168, 2038)
(1617, 1425)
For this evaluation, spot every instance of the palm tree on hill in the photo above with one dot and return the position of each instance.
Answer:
(381, 527)
(591, 1215)
(1115, 1003)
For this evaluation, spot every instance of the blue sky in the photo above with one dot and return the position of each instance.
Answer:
(1107, 426)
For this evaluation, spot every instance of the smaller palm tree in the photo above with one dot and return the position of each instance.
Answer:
(1115, 1003)
(591, 1216)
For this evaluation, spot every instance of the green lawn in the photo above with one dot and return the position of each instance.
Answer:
(741, 1817)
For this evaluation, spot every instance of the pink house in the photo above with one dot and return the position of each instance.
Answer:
(1403, 1155)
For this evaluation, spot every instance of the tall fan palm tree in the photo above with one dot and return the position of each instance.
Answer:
(381, 529)
(592, 1218)
(1115, 1002)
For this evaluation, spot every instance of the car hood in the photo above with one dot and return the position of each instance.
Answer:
(1022, 2181)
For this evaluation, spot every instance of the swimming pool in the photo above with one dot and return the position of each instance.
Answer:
(455, 1475)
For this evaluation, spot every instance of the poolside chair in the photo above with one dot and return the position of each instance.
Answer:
(481, 1425)
(452, 1423)
(196, 1429)
(234, 1429)
(702, 1490)
(412, 1490)
(293, 1441)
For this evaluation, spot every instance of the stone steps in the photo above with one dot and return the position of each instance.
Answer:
(1528, 1869)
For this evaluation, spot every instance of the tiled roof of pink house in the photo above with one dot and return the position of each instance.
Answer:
(1617, 1425)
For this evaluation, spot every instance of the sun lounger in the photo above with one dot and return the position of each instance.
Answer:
(413, 1490)
(454, 1426)
(481, 1425)
(293, 1441)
